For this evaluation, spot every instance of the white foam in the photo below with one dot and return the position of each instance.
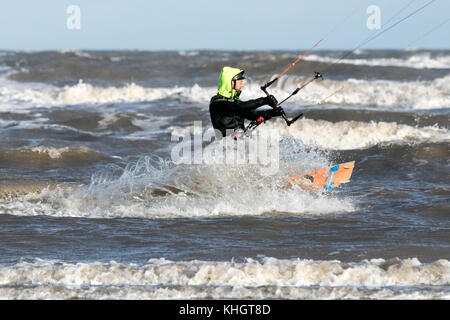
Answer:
(267, 279)
(358, 93)
(184, 191)
(347, 135)
(188, 53)
(392, 95)
(419, 61)
(15, 96)
(78, 53)
(86, 93)
(137, 203)
(57, 153)
(54, 153)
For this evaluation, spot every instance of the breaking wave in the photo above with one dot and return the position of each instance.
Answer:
(16, 189)
(270, 278)
(347, 135)
(152, 188)
(433, 94)
(49, 156)
(420, 61)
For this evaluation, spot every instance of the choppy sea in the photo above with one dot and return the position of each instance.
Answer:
(92, 205)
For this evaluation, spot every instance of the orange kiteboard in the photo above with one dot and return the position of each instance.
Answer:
(326, 178)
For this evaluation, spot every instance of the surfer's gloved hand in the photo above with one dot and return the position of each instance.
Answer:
(267, 114)
(271, 101)
(276, 112)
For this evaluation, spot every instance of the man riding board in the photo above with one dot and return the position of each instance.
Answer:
(228, 112)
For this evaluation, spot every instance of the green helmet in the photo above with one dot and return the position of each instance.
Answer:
(227, 76)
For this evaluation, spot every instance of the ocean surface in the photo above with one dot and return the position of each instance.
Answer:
(92, 205)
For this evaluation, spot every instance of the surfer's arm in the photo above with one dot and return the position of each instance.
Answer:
(251, 104)
(266, 114)
(245, 108)
(226, 106)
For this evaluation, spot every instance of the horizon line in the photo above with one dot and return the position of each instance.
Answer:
(217, 49)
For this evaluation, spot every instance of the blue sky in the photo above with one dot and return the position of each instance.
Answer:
(208, 24)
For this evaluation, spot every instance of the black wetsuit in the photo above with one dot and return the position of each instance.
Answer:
(230, 114)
